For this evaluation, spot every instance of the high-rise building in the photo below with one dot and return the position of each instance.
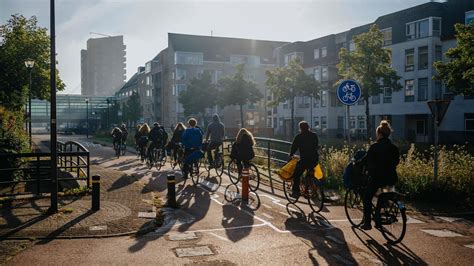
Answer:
(103, 66)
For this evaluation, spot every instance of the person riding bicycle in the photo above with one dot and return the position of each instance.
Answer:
(137, 135)
(173, 145)
(164, 140)
(143, 139)
(242, 149)
(156, 138)
(192, 142)
(216, 132)
(382, 160)
(123, 127)
(116, 136)
(307, 143)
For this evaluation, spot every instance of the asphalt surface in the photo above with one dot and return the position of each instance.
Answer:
(208, 230)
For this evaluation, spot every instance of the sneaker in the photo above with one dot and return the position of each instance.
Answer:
(366, 226)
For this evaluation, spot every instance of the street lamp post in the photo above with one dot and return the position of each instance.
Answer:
(29, 63)
(54, 152)
(87, 118)
(107, 124)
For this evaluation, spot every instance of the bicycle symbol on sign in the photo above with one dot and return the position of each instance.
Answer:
(349, 93)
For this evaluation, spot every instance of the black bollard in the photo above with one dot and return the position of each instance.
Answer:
(96, 192)
(171, 202)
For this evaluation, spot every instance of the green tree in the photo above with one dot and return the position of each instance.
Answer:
(199, 95)
(22, 38)
(133, 108)
(288, 82)
(238, 91)
(370, 65)
(458, 72)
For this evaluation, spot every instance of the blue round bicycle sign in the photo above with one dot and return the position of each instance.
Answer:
(348, 92)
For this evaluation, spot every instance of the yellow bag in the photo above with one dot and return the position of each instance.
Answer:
(318, 172)
(287, 170)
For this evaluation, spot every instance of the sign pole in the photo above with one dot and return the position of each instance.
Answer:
(436, 136)
(348, 121)
(54, 159)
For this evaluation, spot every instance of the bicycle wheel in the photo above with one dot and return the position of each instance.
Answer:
(157, 158)
(287, 185)
(124, 149)
(219, 165)
(254, 178)
(353, 206)
(233, 172)
(315, 196)
(390, 216)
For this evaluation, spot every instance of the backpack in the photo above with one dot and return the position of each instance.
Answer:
(355, 171)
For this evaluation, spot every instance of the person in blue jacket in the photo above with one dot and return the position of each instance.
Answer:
(192, 142)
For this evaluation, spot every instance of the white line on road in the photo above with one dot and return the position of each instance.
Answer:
(441, 233)
(267, 206)
(267, 215)
(220, 237)
(471, 246)
(286, 214)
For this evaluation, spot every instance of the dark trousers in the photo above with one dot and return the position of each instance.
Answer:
(372, 186)
(301, 166)
(153, 145)
(212, 146)
(242, 164)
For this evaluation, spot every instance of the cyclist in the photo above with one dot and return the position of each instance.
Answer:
(143, 139)
(137, 135)
(215, 131)
(242, 149)
(175, 140)
(156, 138)
(382, 160)
(123, 127)
(192, 142)
(307, 143)
(116, 136)
(164, 140)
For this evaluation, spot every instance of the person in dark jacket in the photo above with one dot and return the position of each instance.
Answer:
(307, 143)
(192, 142)
(116, 136)
(382, 160)
(242, 149)
(175, 140)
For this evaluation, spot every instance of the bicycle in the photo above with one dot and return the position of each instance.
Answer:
(218, 163)
(235, 175)
(117, 148)
(179, 156)
(389, 212)
(309, 189)
(123, 148)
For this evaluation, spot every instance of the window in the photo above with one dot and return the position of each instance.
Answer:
(438, 53)
(421, 127)
(317, 73)
(296, 55)
(409, 91)
(324, 52)
(418, 29)
(469, 122)
(324, 122)
(469, 17)
(423, 89)
(316, 122)
(315, 102)
(285, 104)
(436, 27)
(352, 46)
(324, 73)
(188, 58)
(409, 60)
(316, 53)
(387, 36)
(361, 122)
(148, 67)
(340, 122)
(148, 93)
(217, 74)
(180, 74)
(324, 98)
(438, 88)
(249, 60)
(361, 101)
(423, 57)
(387, 95)
(375, 99)
(178, 88)
(352, 121)
(250, 106)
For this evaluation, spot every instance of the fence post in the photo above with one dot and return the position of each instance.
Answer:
(88, 170)
(245, 185)
(38, 184)
(269, 165)
(171, 196)
(96, 192)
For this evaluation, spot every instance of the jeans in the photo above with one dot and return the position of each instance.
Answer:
(212, 146)
(299, 170)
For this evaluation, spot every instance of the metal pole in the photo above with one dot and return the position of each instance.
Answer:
(87, 119)
(436, 128)
(311, 112)
(29, 108)
(348, 121)
(54, 152)
(245, 185)
(96, 192)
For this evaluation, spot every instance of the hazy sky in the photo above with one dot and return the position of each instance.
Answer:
(145, 23)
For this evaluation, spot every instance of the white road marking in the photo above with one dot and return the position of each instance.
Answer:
(286, 214)
(471, 246)
(267, 206)
(411, 220)
(448, 219)
(441, 233)
(267, 215)
(220, 237)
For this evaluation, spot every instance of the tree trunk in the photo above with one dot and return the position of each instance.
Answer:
(242, 125)
(367, 118)
(292, 102)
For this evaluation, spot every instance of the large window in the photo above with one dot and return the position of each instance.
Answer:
(292, 56)
(316, 122)
(375, 99)
(418, 29)
(324, 73)
(423, 57)
(249, 60)
(148, 67)
(188, 58)
(361, 121)
(469, 122)
(436, 27)
(324, 122)
(316, 53)
(387, 36)
(178, 88)
(423, 89)
(340, 122)
(324, 52)
(352, 121)
(438, 53)
(324, 98)
(409, 59)
(409, 91)
(387, 95)
(317, 73)
(180, 74)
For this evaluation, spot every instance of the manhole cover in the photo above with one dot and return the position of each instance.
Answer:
(182, 236)
(193, 251)
(442, 233)
(149, 215)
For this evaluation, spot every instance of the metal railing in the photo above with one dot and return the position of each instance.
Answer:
(35, 168)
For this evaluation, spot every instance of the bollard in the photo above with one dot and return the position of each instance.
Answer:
(96, 192)
(245, 185)
(171, 196)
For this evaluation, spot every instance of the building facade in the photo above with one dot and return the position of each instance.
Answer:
(417, 37)
(103, 66)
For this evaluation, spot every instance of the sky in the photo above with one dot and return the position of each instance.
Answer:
(145, 23)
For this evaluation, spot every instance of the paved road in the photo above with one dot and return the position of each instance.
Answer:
(210, 231)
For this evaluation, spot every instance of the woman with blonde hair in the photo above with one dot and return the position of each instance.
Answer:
(242, 149)
(143, 139)
(175, 139)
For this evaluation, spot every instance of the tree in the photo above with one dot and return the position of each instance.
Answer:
(199, 95)
(458, 72)
(133, 108)
(288, 82)
(238, 91)
(370, 66)
(22, 38)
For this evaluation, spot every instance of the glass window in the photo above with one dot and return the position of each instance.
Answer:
(409, 59)
(285, 104)
(361, 121)
(148, 93)
(438, 53)
(352, 121)
(420, 127)
(180, 74)
(316, 122)
(387, 95)
(296, 55)
(180, 88)
(469, 17)
(387, 36)
(324, 122)
(315, 102)
(324, 52)
(436, 27)
(409, 91)
(324, 98)
(469, 122)
(423, 57)
(352, 46)
(375, 99)
(249, 60)
(361, 101)
(188, 58)
(317, 73)
(340, 122)
(438, 89)
(316, 53)
(419, 29)
(324, 73)
(148, 67)
(423, 89)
